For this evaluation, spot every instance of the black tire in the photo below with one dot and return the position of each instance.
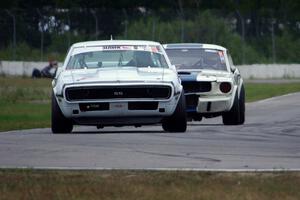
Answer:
(177, 122)
(236, 115)
(197, 117)
(242, 105)
(59, 124)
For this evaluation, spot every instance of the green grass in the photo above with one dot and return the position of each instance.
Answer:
(144, 185)
(15, 116)
(25, 102)
(259, 91)
(18, 89)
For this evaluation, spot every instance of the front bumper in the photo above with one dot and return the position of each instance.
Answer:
(209, 102)
(118, 109)
(214, 104)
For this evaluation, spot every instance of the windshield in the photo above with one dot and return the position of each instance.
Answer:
(197, 59)
(117, 58)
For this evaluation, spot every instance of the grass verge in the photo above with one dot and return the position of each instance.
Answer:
(17, 116)
(25, 102)
(144, 185)
(259, 91)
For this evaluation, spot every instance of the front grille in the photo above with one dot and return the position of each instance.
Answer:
(118, 92)
(194, 86)
(142, 105)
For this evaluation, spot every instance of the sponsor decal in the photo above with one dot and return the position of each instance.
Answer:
(111, 47)
(143, 48)
(92, 106)
(211, 50)
(127, 47)
(154, 49)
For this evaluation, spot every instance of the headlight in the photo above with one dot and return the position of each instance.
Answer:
(225, 87)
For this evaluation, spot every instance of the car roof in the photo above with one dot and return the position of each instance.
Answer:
(114, 42)
(193, 46)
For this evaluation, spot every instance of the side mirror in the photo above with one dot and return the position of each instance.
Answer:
(232, 68)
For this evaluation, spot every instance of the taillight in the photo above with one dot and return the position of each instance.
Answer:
(225, 87)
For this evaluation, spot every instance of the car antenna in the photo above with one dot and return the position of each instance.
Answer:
(111, 37)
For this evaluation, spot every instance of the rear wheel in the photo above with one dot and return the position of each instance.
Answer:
(59, 123)
(177, 121)
(236, 115)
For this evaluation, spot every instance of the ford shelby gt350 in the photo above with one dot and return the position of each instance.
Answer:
(213, 85)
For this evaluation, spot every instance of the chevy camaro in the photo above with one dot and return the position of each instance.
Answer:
(117, 83)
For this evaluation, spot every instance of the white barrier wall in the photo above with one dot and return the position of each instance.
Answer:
(256, 71)
(270, 71)
(20, 68)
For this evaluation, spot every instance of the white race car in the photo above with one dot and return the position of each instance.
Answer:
(116, 83)
(212, 84)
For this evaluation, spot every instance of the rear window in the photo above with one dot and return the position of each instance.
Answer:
(197, 59)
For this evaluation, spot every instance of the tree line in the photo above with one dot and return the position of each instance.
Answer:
(254, 31)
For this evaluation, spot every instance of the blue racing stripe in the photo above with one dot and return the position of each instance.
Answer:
(190, 109)
(188, 77)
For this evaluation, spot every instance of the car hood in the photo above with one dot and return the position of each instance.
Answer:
(203, 75)
(132, 74)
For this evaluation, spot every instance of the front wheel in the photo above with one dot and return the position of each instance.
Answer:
(177, 122)
(242, 105)
(59, 123)
(236, 115)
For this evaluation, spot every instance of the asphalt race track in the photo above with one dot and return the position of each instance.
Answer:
(270, 139)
